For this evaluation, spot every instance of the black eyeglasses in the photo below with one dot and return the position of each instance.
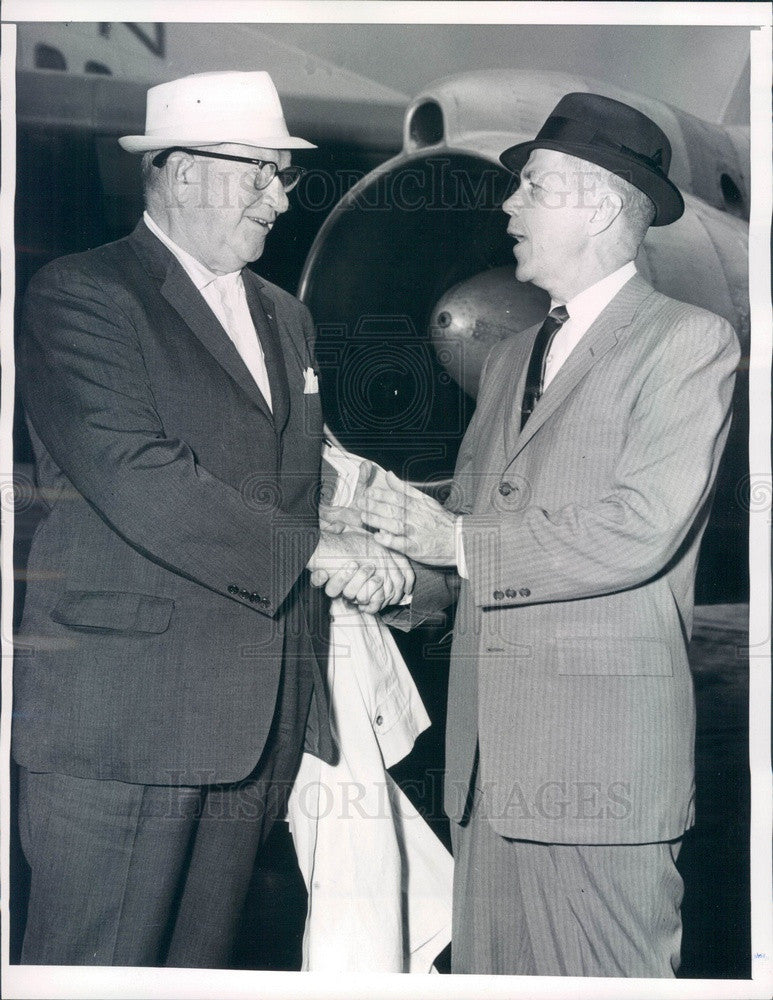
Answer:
(268, 170)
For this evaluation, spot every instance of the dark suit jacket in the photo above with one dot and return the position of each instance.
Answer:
(167, 577)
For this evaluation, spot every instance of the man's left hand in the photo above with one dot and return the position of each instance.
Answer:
(410, 522)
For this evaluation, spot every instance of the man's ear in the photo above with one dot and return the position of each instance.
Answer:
(183, 172)
(607, 210)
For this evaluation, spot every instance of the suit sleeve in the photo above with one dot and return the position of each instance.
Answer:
(434, 590)
(663, 478)
(90, 401)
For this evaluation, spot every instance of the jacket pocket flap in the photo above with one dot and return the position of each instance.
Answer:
(622, 656)
(113, 611)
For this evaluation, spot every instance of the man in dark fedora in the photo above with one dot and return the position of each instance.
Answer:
(581, 494)
(173, 652)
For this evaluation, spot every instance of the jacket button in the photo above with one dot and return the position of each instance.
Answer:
(524, 592)
(505, 489)
(233, 589)
(511, 593)
(498, 595)
(254, 598)
(379, 720)
(265, 603)
(245, 594)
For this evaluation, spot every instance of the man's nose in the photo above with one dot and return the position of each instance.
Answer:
(513, 203)
(274, 194)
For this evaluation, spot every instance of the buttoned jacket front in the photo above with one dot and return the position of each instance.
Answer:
(581, 535)
(166, 580)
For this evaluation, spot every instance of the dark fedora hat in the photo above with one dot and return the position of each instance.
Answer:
(614, 136)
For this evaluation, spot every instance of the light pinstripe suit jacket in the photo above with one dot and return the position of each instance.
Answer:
(569, 660)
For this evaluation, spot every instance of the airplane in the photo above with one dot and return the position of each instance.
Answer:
(396, 241)
(411, 278)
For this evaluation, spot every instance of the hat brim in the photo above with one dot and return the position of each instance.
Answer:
(144, 143)
(666, 197)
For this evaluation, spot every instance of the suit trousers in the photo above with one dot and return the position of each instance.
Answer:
(526, 908)
(152, 875)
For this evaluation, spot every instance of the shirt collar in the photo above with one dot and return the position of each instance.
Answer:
(588, 304)
(199, 273)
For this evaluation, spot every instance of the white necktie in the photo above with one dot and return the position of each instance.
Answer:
(238, 324)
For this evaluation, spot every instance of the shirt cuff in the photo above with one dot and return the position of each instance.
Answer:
(461, 563)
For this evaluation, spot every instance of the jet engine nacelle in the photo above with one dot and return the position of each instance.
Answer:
(411, 280)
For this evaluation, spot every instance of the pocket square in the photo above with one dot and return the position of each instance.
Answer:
(310, 381)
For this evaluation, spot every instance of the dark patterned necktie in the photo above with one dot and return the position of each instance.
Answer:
(554, 320)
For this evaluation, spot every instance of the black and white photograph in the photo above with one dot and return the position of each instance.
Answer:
(385, 459)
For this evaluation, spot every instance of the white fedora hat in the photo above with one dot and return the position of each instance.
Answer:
(210, 108)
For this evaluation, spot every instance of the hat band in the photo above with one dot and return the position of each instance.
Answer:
(557, 128)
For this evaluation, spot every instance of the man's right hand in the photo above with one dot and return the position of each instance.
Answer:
(353, 566)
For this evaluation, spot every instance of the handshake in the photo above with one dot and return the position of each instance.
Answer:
(365, 548)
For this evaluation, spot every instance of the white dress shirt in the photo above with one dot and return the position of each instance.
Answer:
(225, 295)
(584, 309)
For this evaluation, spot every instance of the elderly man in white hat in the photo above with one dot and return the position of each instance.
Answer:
(172, 675)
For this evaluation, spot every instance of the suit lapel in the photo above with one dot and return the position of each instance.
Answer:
(184, 297)
(180, 292)
(597, 340)
(263, 312)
